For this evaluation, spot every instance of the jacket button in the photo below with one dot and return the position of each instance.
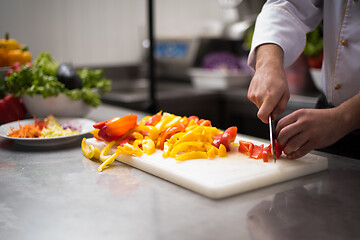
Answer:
(337, 86)
(344, 43)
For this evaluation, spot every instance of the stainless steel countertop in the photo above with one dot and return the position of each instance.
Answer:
(58, 194)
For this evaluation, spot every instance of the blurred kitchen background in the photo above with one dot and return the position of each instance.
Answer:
(201, 48)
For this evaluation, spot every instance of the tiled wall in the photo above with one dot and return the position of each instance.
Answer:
(101, 32)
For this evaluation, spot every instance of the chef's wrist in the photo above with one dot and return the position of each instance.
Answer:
(269, 55)
(347, 115)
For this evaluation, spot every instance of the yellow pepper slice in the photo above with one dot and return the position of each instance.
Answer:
(138, 136)
(148, 146)
(95, 132)
(222, 151)
(174, 138)
(105, 150)
(175, 121)
(89, 151)
(131, 149)
(211, 153)
(110, 159)
(185, 146)
(189, 137)
(164, 120)
(167, 149)
(192, 155)
(143, 121)
(151, 130)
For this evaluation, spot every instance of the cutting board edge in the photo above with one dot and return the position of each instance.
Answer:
(225, 189)
(216, 191)
(250, 186)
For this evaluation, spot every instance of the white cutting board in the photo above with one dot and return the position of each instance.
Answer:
(223, 177)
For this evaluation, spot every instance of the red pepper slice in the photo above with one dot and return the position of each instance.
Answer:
(103, 135)
(168, 133)
(266, 153)
(119, 126)
(246, 147)
(100, 125)
(153, 120)
(217, 140)
(228, 137)
(203, 122)
(278, 149)
(257, 152)
(195, 118)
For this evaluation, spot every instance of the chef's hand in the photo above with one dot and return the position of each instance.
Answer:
(308, 129)
(268, 88)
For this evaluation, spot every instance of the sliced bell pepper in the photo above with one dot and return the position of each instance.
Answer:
(152, 121)
(108, 159)
(278, 149)
(257, 151)
(185, 146)
(227, 137)
(105, 150)
(191, 155)
(89, 151)
(203, 122)
(121, 125)
(100, 125)
(195, 118)
(104, 136)
(148, 146)
(246, 147)
(266, 153)
(168, 133)
(222, 151)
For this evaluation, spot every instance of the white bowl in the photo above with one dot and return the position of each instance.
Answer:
(59, 106)
(218, 79)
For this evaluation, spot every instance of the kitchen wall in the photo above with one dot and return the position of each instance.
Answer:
(102, 32)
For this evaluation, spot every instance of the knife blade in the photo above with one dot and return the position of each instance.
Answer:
(272, 140)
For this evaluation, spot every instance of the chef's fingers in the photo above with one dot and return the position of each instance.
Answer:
(266, 108)
(302, 151)
(287, 120)
(295, 143)
(281, 106)
(286, 128)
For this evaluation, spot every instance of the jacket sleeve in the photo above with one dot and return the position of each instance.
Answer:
(286, 24)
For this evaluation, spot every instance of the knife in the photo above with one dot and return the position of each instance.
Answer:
(272, 140)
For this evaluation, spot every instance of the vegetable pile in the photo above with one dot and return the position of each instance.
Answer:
(43, 128)
(43, 78)
(181, 138)
(11, 51)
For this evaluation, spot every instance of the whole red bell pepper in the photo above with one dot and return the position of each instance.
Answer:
(11, 109)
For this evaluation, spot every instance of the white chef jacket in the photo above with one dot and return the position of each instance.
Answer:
(286, 23)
